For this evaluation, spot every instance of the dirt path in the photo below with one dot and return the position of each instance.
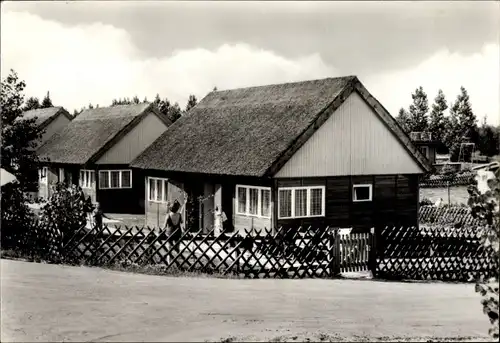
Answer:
(54, 303)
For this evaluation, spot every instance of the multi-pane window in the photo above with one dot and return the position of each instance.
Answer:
(115, 179)
(157, 189)
(285, 203)
(87, 178)
(42, 175)
(300, 202)
(254, 201)
(362, 193)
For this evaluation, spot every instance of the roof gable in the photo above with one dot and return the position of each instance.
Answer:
(91, 133)
(45, 115)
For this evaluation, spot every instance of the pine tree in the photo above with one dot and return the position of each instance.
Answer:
(462, 126)
(403, 120)
(175, 112)
(19, 137)
(419, 111)
(192, 101)
(46, 102)
(135, 100)
(437, 120)
(31, 104)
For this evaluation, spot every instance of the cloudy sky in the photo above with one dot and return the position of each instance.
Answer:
(95, 51)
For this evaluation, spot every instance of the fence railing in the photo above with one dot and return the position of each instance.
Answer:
(391, 253)
(447, 215)
(460, 180)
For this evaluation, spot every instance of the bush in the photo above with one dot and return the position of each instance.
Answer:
(17, 217)
(426, 202)
(484, 203)
(66, 211)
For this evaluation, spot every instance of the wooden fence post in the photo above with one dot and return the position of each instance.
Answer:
(373, 252)
(335, 266)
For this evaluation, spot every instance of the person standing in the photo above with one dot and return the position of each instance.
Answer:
(172, 224)
(98, 216)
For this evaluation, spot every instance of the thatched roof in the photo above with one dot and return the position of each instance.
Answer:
(45, 115)
(250, 131)
(92, 132)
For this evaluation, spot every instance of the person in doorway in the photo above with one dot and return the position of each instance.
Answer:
(172, 224)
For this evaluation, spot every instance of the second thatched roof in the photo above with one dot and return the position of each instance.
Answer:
(92, 132)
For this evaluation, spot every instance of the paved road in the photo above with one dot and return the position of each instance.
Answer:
(43, 302)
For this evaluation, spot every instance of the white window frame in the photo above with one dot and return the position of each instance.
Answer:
(42, 175)
(85, 182)
(119, 178)
(370, 192)
(164, 185)
(259, 201)
(308, 202)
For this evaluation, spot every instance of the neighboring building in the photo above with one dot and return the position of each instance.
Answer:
(426, 144)
(50, 120)
(95, 150)
(316, 153)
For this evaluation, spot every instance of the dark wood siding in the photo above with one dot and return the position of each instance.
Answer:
(394, 202)
(126, 200)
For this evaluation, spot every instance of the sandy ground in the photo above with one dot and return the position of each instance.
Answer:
(42, 302)
(458, 195)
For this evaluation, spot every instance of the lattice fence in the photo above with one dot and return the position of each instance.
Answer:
(448, 255)
(447, 215)
(441, 182)
(253, 254)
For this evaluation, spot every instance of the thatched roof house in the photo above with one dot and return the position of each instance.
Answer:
(321, 152)
(50, 120)
(102, 141)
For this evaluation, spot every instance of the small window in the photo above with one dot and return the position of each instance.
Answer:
(254, 201)
(157, 189)
(115, 179)
(362, 193)
(285, 203)
(42, 175)
(126, 179)
(87, 178)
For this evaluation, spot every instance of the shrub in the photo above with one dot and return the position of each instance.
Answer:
(484, 203)
(66, 211)
(426, 202)
(16, 217)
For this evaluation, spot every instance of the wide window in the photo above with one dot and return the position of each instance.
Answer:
(157, 189)
(110, 179)
(362, 193)
(42, 175)
(87, 178)
(301, 202)
(254, 201)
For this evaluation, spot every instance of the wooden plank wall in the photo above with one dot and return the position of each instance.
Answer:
(395, 202)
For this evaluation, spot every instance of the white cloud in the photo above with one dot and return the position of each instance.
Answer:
(96, 63)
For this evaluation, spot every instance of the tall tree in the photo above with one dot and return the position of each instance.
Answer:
(19, 137)
(46, 102)
(437, 120)
(462, 126)
(31, 104)
(175, 112)
(419, 111)
(192, 101)
(403, 120)
(135, 100)
(489, 140)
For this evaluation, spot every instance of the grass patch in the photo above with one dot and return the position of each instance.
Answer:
(160, 270)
